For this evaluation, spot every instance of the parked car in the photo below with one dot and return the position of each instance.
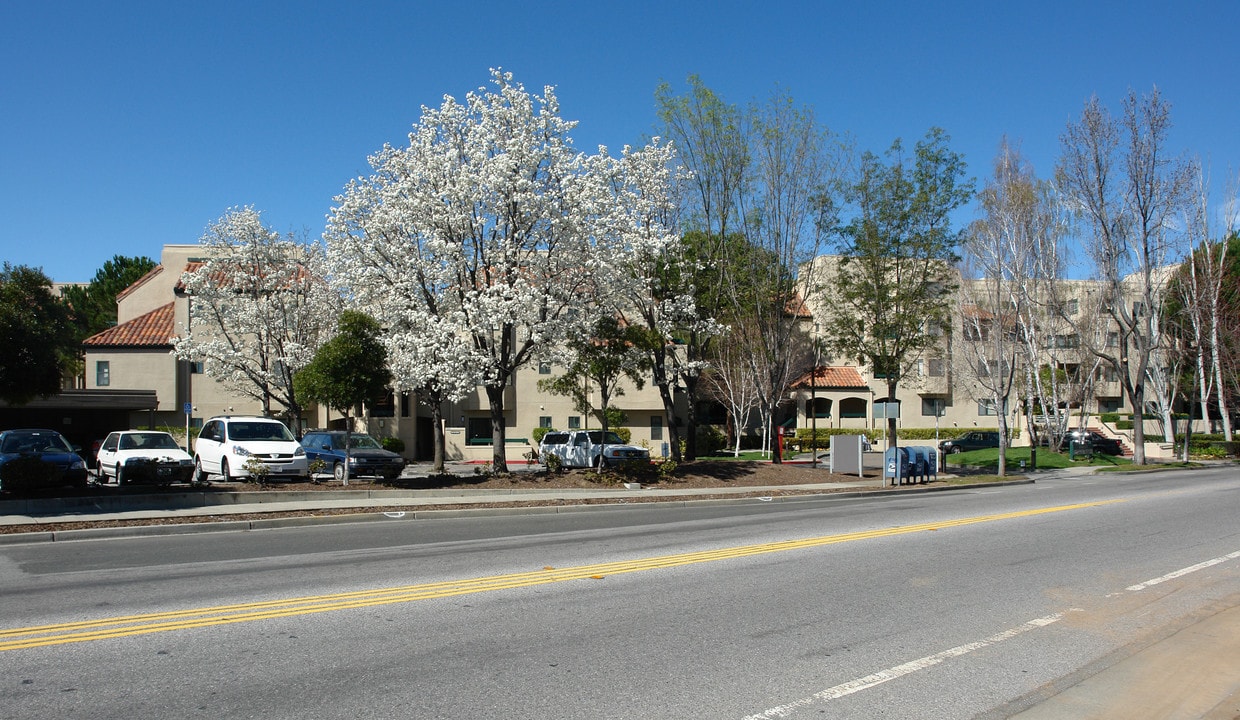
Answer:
(227, 442)
(38, 458)
(1101, 443)
(974, 440)
(366, 455)
(142, 456)
(589, 448)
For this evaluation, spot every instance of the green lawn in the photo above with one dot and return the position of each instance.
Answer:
(1047, 459)
(745, 455)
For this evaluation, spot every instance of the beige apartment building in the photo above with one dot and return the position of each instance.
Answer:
(137, 354)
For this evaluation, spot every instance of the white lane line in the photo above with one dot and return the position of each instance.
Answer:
(1178, 573)
(892, 673)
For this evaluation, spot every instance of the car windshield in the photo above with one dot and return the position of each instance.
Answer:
(48, 442)
(258, 431)
(357, 440)
(148, 441)
(596, 437)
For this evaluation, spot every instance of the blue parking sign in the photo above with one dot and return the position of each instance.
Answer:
(187, 408)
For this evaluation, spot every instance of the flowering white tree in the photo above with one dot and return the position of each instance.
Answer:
(259, 309)
(490, 228)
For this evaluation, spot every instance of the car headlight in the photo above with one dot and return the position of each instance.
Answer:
(299, 452)
(78, 465)
(238, 450)
(187, 462)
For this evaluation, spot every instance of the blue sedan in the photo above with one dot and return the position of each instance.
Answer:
(37, 458)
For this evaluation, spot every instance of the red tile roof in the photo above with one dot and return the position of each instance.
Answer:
(153, 329)
(832, 378)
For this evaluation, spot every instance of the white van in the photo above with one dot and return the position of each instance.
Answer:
(226, 443)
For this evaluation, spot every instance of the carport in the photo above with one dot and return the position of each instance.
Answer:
(82, 416)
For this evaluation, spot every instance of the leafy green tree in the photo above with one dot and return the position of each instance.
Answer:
(613, 353)
(36, 334)
(895, 279)
(347, 370)
(93, 306)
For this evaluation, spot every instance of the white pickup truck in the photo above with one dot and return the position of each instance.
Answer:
(588, 448)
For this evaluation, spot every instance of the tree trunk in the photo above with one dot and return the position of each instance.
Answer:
(499, 458)
(691, 422)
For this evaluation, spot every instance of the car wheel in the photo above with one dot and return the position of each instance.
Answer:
(957, 450)
(338, 472)
(120, 473)
(224, 470)
(100, 478)
(199, 477)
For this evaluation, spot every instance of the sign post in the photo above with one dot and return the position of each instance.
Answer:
(188, 409)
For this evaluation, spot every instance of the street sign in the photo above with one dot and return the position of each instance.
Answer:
(188, 408)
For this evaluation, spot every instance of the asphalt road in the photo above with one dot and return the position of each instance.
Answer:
(941, 605)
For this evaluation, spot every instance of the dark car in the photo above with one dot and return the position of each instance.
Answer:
(366, 455)
(1101, 443)
(38, 458)
(975, 440)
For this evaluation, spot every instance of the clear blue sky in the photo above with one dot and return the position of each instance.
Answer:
(128, 125)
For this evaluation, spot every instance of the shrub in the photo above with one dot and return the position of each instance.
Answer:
(1110, 418)
(710, 440)
(258, 471)
(553, 462)
(626, 434)
(392, 444)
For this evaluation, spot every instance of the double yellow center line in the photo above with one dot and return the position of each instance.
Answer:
(107, 628)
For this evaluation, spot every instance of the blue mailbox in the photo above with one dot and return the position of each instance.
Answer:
(896, 464)
(917, 463)
(924, 462)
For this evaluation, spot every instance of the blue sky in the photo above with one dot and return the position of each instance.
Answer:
(128, 125)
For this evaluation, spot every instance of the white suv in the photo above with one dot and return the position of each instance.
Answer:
(226, 443)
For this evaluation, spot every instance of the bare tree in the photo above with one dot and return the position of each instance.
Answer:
(1200, 290)
(1117, 175)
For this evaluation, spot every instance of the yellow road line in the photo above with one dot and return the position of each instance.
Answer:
(106, 628)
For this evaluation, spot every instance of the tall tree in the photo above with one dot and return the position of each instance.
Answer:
(895, 279)
(93, 306)
(36, 333)
(489, 221)
(1010, 258)
(713, 139)
(347, 371)
(787, 219)
(1129, 191)
(259, 308)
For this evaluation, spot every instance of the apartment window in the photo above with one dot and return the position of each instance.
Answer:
(1072, 307)
(544, 368)
(656, 427)
(574, 422)
(103, 373)
(986, 407)
(1109, 405)
(544, 421)
(935, 367)
(404, 404)
(1112, 339)
(933, 407)
(197, 367)
(976, 333)
(983, 369)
